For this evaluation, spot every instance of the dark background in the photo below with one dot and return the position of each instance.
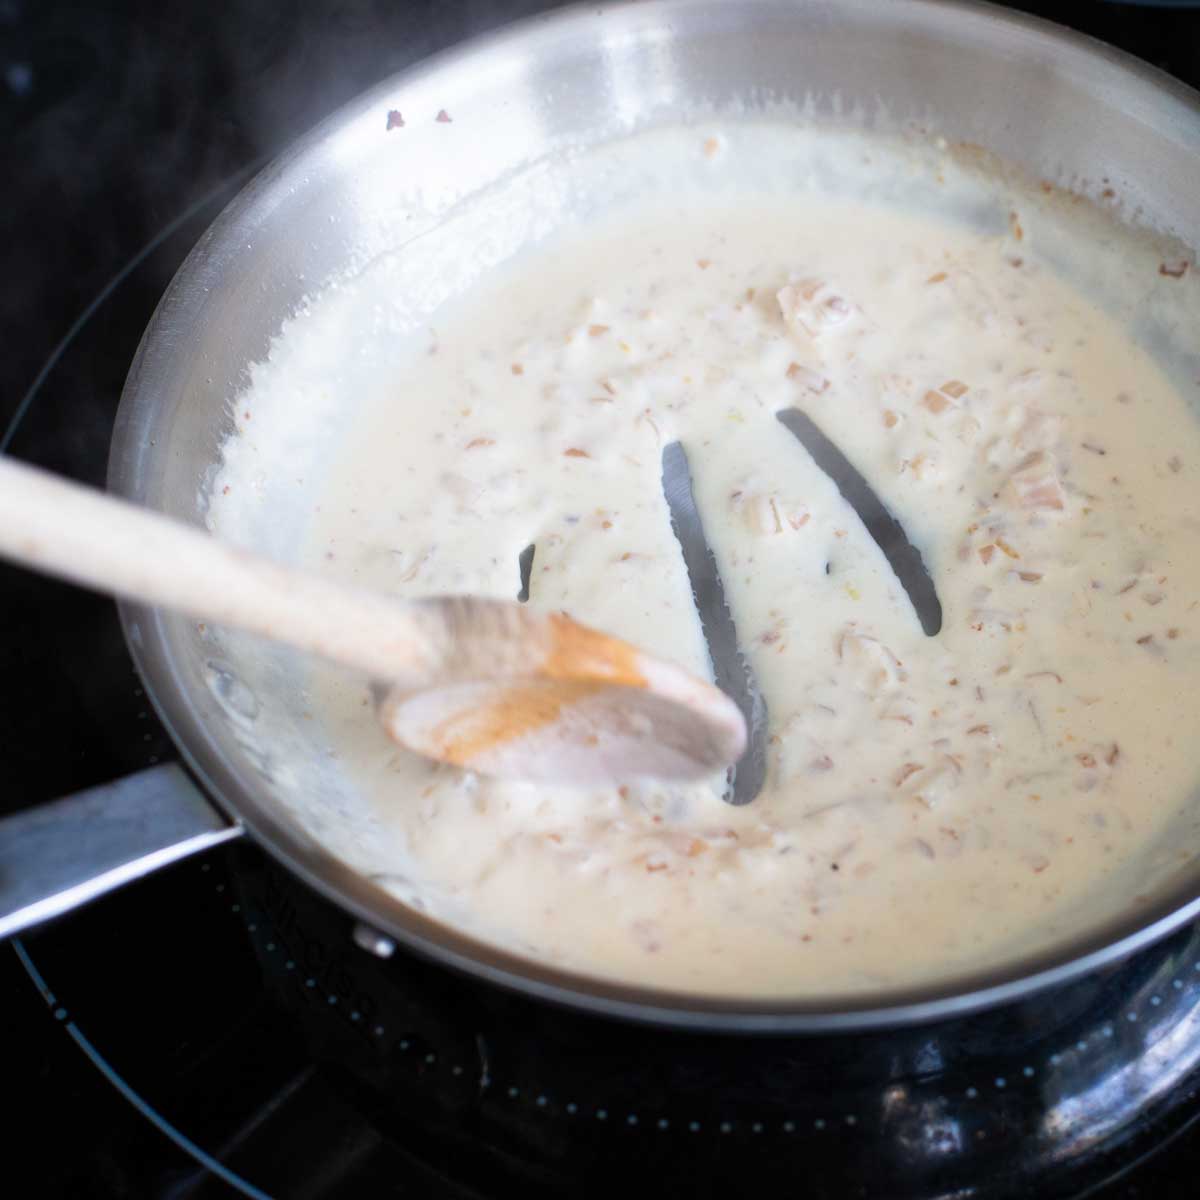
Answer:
(116, 121)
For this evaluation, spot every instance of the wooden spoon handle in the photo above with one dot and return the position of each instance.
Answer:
(75, 532)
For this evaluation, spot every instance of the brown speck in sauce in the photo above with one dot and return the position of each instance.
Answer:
(517, 369)
(575, 452)
(1175, 270)
(597, 330)
(480, 442)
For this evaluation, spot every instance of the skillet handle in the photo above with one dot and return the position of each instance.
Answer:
(60, 855)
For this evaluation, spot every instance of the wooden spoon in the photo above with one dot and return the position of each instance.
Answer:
(488, 685)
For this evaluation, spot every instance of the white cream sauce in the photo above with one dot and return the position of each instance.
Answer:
(933, 805)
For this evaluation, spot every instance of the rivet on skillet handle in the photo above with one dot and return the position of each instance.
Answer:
(731, 672)
(60, 855)
(372, 941)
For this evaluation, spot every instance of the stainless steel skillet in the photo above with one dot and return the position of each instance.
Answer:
(1058, 105)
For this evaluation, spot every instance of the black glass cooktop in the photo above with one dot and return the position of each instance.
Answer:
(215, 1030)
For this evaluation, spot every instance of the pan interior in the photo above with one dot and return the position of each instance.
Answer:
(364, 364)
(518, 167)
